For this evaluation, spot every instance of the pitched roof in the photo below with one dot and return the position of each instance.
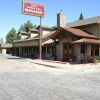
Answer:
(48, 36)
(84, 22)
(44, 38)
(76, 32)
(23, 33)
(50, 41)
(47, 28)
(34, 30)
(5, 45)
(25, 40)
(91, 41)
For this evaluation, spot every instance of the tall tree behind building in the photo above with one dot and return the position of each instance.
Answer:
(81, 16)
(1, 40)
(11, 36)
(26, 26)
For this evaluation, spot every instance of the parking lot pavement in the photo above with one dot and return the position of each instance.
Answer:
(22, 80)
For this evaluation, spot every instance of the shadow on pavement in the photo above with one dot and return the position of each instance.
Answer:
(14, 58)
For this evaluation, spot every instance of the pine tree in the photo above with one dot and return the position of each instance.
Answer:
(1, 40)
(26, 26)
(81, 16)
(11, 36)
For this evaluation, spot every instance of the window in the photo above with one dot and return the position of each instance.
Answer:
(43, 50)
(49, 49)
(37, 50)
(25, 50)
(82, 49)
(53, 50)
(96, 50)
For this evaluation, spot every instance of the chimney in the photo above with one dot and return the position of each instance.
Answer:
(61, 19)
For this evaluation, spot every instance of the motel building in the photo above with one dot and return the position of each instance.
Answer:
(77, 41)
(5, 48)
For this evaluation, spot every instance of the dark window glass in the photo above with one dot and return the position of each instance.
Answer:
(49, 49)
(96, 50)
(43, 50)
(82, 48)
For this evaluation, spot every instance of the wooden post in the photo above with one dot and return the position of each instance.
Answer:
(13, 51)
(93, 53)
(55, 56)
(85, 60)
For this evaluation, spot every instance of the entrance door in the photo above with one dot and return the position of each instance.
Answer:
(66, 52)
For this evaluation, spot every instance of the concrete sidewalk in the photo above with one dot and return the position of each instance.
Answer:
(65, 65)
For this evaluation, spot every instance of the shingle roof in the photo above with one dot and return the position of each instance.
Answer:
(45, 38)
(47, 27)
(23, 33)
(25, 40)
(76, 32)
(84, 22)
(34, 30)
(5, 45)
(91, 41)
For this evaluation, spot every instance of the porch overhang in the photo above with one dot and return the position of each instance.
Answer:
(87, 41)
(50, 41)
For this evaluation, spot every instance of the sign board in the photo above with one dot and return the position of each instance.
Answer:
(33, 9)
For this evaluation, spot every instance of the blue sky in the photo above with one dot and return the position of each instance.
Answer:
(10, 12)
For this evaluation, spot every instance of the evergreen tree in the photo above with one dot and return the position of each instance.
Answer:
(1, 40)
(22, 28)
(26, 26)
(11, 36)
(81, 16)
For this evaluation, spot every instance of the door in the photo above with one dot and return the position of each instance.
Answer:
(66, 52)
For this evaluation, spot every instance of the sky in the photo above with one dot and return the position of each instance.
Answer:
(10, 12)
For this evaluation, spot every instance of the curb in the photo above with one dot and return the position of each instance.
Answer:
(46, 65)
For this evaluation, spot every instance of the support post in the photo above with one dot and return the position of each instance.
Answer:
(93, 53)
(40, 41)
(85, 60)
(55, 56)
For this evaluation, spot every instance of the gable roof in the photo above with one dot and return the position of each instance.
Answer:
(84, 22)
(23, 33)
(34, 30)
(74, 31)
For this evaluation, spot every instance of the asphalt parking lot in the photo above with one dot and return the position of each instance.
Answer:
(20, 79)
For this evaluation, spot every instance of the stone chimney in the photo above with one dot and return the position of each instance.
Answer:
(61, 19)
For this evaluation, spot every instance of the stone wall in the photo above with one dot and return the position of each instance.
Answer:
(59, 49)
